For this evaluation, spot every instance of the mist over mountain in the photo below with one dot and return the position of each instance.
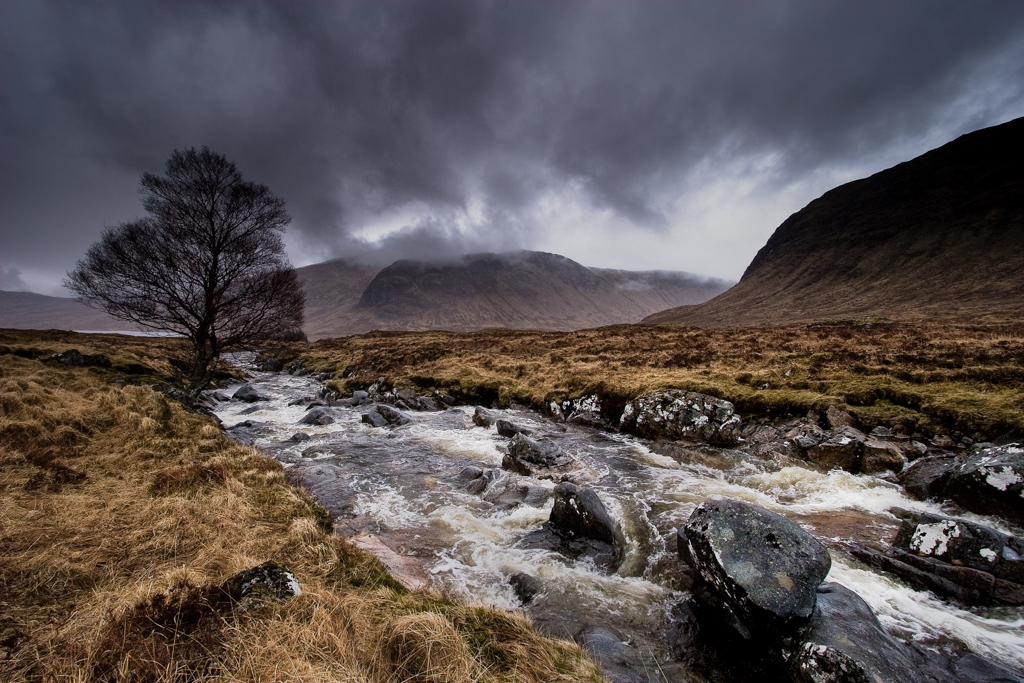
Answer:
(940, 236)
(517, 290)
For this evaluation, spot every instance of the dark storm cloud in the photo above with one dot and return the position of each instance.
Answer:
(467, 113)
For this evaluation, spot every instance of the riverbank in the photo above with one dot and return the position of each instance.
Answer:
(955, 380)
(122, 516)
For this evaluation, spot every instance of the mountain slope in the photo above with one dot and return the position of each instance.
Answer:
(940, 235)
(519, 290)
(29, 311)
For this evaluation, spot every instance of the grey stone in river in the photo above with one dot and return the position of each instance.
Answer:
(319, 416)
(483, 417)
(247, 393)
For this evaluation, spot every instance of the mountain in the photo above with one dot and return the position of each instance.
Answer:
(941, 236)
(28, 311)
(519, 290)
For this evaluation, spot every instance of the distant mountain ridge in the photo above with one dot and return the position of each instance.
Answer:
(517, 290)
(941, 235)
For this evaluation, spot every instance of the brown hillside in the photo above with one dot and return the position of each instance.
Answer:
(941, 235)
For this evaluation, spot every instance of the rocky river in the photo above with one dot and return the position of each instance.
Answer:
(427, 492)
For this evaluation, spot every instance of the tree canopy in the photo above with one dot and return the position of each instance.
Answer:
(207, 263)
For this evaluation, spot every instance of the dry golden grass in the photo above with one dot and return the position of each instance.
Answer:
(121, 514)
(927, 377)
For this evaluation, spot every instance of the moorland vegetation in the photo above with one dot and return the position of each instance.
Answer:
(122, 514)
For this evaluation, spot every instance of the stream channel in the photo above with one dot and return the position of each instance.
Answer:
(399, 491)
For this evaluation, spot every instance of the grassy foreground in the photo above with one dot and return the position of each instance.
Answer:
(121, 514)
(933, 378)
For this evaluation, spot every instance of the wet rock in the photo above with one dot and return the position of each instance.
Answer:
(529, 457)
(391, 415)
(927, 477)
(255, 587)
(374, 419)
(506, 491)
(250, 410)
(846, 644)
(299, 437)
(836, 418)
(953, 558)
(247, 393)
(319, 416)
(842, 450)
(991, 482)
(585, 411)
(359, 397)
(619, 662)
(805, 435)
(682, 415)
(525, 586)
(763, 567)
(246, 432)
(973, 668)
(881, 456)
(579, 511)
(443, 398)
(954, 541)
(510, 429)
(483, 417)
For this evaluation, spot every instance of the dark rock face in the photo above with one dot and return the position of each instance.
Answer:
(927, 477)
(268, 582)
(318, 416)
(974, 669)
(528, 457)
(682, 415)
(991, 482)
(510, 429)
(71, 357)
(620, 662)
(846, 644)
(248, 394)
(246, 432)
(504, 490)
(483, 417)
(763, 567)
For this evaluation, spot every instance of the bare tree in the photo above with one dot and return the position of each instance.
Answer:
(208, 262)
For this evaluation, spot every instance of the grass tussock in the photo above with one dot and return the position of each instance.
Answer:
(923, 377)
(121, 517)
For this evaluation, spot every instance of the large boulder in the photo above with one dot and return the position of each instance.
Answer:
(764, 568)
(880, 456)
(679, 414)
(846, 644)
(927, 477)
(991, 482)
(248, 393)
(510, 429)
(319, 416)
(266, 583)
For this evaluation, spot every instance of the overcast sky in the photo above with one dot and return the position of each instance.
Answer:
(640, 135)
